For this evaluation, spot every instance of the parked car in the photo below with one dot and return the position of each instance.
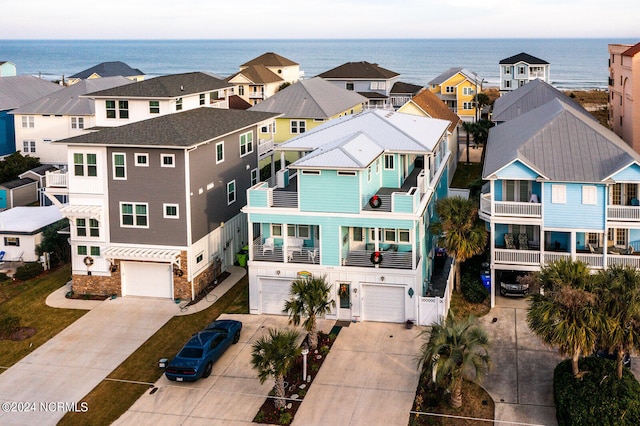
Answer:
(602, 353)
(197, 356)
(509, 284)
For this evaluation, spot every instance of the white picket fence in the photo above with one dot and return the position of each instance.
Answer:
(433, 309)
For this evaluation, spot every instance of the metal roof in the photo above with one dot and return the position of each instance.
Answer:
(559, 142)
(28, 220)
(68, 101)
(314, 98)
(16, 91)
(355, 140)
(471, 76)
(528, 97)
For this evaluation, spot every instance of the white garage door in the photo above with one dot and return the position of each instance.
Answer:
(147, 279)
(274, 294)
(383, 303)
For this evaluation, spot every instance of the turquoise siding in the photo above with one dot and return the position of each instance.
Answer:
(517, 170)
(258, 198)
(329, 244)
(634, 239)
(318, 192)
(391, 178)
(442, 189)
(498, 187)
(631, 173)
(574, 214)
(403, 203)
(369, 188)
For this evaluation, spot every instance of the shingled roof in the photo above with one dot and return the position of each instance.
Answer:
(359, 70)
(180, 130)
(434, 107)
(167, 86)
(270, 59)
(109, 69)
(258, 74)
(523, 57)
(400, 87)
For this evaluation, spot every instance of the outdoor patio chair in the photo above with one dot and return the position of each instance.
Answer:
(2, 253)
(523, 241)
(509, 242)
(630, 249)
(268, 245)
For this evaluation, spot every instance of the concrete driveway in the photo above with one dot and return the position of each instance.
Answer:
(72, 363)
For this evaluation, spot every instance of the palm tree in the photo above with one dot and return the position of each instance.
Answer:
(481, 100)
(463, 234)
(455, 350)
(310, 299)
(272, 356)
(566, 316)
(468, 128)
(618, 289)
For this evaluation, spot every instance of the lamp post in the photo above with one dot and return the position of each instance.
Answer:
(305, 352)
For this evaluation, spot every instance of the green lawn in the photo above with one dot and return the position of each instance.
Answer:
(110, 399)
(26, 300)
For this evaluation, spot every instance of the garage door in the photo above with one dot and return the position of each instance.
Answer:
(274, 294)
(147, 279)
(383, 303)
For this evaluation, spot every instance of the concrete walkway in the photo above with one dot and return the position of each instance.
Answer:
(71, 364)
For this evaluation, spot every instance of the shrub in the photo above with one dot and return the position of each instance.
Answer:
(285, 418)
(4, 277)
(28, 271)
(473, 290)
(599, 397)
(8, 325)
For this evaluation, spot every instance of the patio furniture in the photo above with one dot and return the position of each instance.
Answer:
(268, 245)
(593, 250)
(523, 241)
(311, 255)
(630, 250)
(509, 242)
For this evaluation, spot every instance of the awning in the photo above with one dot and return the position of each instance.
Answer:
(78, 211)
(142, 254)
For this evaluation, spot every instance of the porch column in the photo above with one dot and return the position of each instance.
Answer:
(542, 243)
(492, 247)
(282, 160)
(492, 185)
(572, 241)
(285, 236)
(413, 248)
(605, 241)
(250, 233)
(376, 245)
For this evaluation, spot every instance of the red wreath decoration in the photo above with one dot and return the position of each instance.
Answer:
(375, 202)
(376, 257)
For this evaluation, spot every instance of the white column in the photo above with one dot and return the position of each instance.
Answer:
(285, 236)
(250, 234)
(492, 247)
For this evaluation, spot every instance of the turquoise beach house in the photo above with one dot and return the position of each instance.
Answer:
(355, 207)
(561, 186)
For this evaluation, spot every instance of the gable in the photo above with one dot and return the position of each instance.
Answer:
(629, 173)
(413, 109)
(517, 170)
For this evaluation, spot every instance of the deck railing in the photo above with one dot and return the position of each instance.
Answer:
(390, 259)
(522, 257)
(510, 208)
(58, 179)
(308, 255)
(631, 213)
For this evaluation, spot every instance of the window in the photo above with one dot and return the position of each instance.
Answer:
(450, 89)
(467, 105)
(388, 162)
(81, 227)
(390, 235)
(28, 146)
(298, 126)
(111, 109)
(94, 228)
(507, 84)
(79, 165)
(246, 143)
(589, 195)
(276, 230)
(214, 96)
(231, 192)
(240, 90)
(558, 194)
(349, 85)
(199, 257)
(28, 122)
(179, 104)
(404, 236)
(521, 69)
(167, 160)
(303, 231)
(507, 70)
(123, 109)
(202, 98)
(134, 215)
(357, 234)
(311, 172)
(154, 107)
(95, 251)
(170, 211)
(346, 173)
(119, 166)
(219, 152)
(593, 238)
(467, 91)
(254, 176)
(142, 160)
(12, 241)
(82, 250)
(369, 174)
(77, 122)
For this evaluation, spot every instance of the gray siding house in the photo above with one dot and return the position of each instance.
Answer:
(154, 206)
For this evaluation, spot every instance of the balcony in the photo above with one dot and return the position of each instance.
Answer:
(265, 252)
(623, 213)
(405, 199)
(265, 147)
(509, 208)
(256, 95)
(390, 259)
(57, 179)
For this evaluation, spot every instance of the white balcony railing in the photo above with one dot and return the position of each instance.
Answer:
(623, 260)
(265, 146)
(58, 179)
(510, 208)
(521, 257)
(630, 213)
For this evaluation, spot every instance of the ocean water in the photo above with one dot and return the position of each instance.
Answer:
(575, 63)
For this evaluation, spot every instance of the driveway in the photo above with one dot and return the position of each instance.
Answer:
(72, 363)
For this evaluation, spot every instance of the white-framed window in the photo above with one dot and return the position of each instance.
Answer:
(81, 227)
(558, 194)
(506, 69)
(77, 122)
(119, 166)
(110, 107)
(202, 98)
(521, 69)
(298, 127)
(311, 172)
(123, 109)
(369, 174)
(12, 241)
(199, 257)
(28, 121)
(390, 235)
(276, 230)
(404, 236)
(507, 84)
(142, 159)
(241, 90)
(94, 228)
(82, 250)
(246, 143)
(378, 85)
(167, 160)
(179, 104)
(467, 105)
(219, 152)
(468, 91)
(82, 168)
(95, 251)
(300, 231)
(154, 107)
(231, 192)
(134, 215)
(170, 211)
(589, 194)
(254, 176)
(389, 162)
(593, 238)
(28, 146)
(349, 85)
(347, 173)
(450, 89)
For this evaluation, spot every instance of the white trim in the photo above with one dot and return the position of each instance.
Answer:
(134, 204)
(221, 143)
(248, 142)
(167, 216)
(144, 155)
(115, 166)
(229, 202)
(173, 160)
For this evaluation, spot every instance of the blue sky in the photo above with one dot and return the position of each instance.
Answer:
(250, 19)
